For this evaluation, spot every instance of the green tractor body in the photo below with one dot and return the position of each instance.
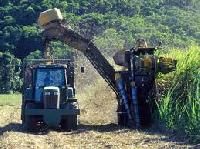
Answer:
(49, 96)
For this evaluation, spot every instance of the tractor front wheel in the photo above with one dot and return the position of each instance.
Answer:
(69, 123)
(30, 121)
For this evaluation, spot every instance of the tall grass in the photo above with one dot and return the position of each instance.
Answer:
(179, 108)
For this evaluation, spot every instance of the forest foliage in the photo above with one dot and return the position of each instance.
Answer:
(112, 25)
(173, 22)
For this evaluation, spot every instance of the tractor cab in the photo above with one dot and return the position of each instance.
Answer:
(47, 77)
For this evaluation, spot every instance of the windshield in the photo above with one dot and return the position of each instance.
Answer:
(50, 77)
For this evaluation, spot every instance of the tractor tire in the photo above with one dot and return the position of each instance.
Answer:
(69, 123)
(29, 122)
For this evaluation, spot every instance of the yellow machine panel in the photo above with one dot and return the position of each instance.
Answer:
(49, 15)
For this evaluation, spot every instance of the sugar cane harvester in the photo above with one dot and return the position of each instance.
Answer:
(134, 86)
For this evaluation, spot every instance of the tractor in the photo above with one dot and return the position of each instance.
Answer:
(49, 95)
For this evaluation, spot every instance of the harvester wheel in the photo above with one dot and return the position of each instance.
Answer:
(145, 115)
(122, 119)
(122, 116)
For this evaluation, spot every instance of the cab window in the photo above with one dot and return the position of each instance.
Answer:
(50, 77)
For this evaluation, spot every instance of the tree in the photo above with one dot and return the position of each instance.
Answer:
(109, 41)
(9, 73)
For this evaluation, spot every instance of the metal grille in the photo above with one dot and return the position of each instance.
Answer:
(51, 100)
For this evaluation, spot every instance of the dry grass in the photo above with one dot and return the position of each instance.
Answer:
(98, 103)
(95, 130)
(88, 136)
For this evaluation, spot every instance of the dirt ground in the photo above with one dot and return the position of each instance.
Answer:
(89, 135)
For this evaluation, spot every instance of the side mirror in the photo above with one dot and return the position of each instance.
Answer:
(82, 69)
(70, 92)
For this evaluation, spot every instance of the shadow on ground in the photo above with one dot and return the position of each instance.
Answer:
(167, 136)
(17, 127)
(84, 128)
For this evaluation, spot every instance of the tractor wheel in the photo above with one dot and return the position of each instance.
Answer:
(69, 123)
(30, 122)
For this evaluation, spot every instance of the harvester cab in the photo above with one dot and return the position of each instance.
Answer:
(49, 95)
